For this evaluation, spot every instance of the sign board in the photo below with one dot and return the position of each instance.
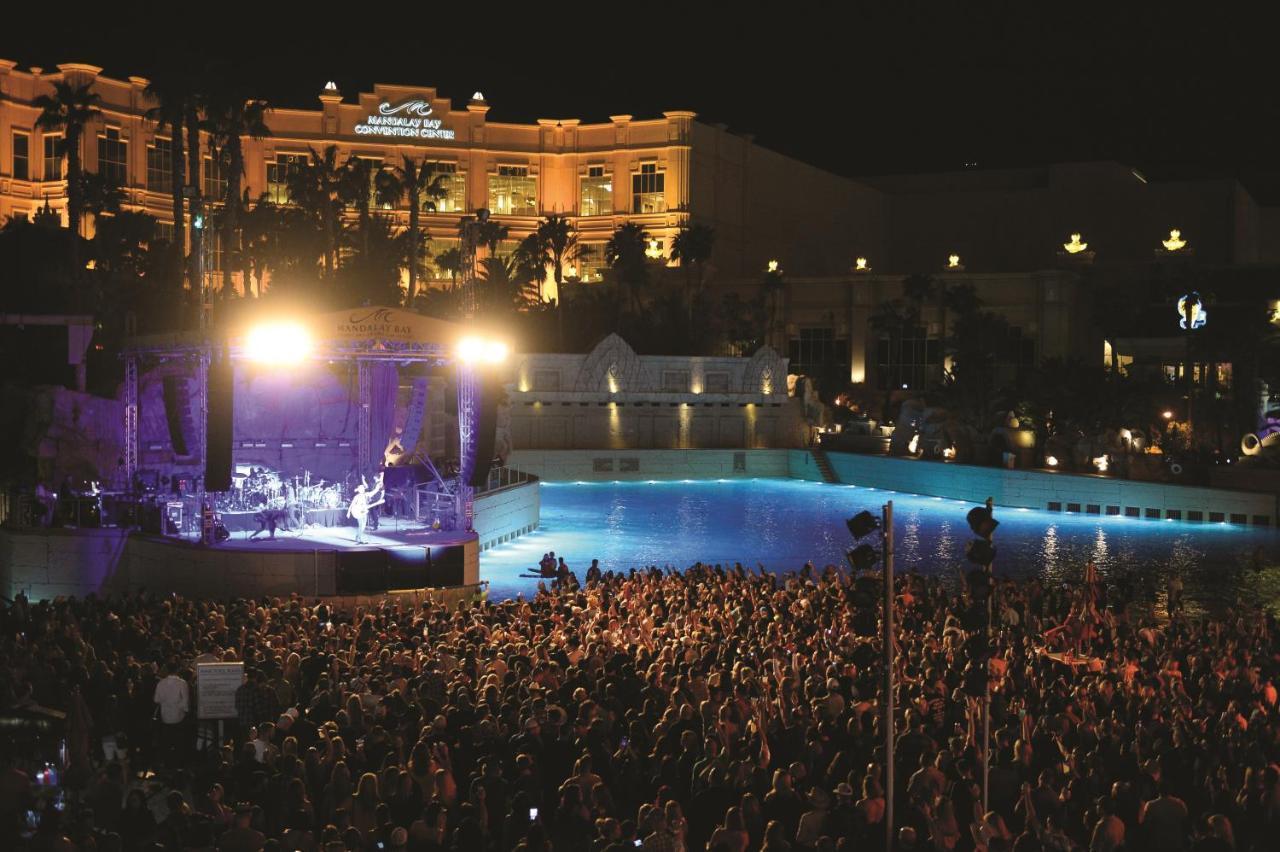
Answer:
(387, 325)
(411, 118)
(216, 685)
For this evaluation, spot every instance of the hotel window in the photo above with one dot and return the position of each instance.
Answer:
(160, 166)
(113, 157)
(212, 245)
(52, 156)
(436, 248)
(164, 231)
(21, 156)
(590, 262)
(913, 360)
(213, 178)
(454, 184)
(817, 350)
(513, 192)
(648, 190)
(597, 193)
(278, 176)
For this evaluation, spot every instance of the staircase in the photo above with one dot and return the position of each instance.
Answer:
(824, 465)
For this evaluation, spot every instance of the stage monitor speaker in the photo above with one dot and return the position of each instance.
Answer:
(486, 425)
(177, 414)
(217, 463)
(413, 417)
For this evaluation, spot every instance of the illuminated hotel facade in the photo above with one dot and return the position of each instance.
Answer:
(657, 172)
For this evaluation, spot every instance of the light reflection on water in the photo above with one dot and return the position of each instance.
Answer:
(782, 523)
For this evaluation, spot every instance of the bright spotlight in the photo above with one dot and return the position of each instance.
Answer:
(478, 350)
(1167, 415)
(278, 343)
(1051, 461)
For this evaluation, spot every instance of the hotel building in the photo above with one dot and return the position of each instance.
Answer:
(656, 172)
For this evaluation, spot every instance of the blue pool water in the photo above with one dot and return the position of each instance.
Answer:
(782, 523)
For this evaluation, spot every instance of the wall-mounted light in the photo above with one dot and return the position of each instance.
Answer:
(1102, 463)
(773, 266)
(1050, 461)
(860, 265)
(953, 262)
(1075, 246)
(1175, 241)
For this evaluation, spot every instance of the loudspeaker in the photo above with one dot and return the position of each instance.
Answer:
(490, 387)
(217, 460)
(177, 412)
(413, 417)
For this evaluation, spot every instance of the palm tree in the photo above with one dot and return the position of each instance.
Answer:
(171, 93)
(421, 186)
(450, 261)
(625, 254)
(692, 247)
(233, 115)
(318, 187)
(69, 109)
(489, 233)
(532, 257)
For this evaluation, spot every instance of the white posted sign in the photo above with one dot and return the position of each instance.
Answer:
(216, 685)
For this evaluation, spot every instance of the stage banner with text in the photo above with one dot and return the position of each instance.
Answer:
(216, 685)
(386, 325)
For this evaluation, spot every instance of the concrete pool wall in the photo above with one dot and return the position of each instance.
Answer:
(1029, 489)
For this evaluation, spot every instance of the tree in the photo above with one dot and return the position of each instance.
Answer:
(557, 234)
(625, 254)
(318, 187)
(371, 272)
(172, 92)
(692, 247)
(233, 114)
(69, 109)
(531, 258)
(489, 233)
(773, 289)
(421, 186)
(450, 261)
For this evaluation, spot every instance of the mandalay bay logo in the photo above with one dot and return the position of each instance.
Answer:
(411, 118)
(375, 323)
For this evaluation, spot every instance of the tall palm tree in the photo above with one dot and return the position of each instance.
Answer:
(532, 257)
(625, 254)
(69, 109)
(692, 247)
(488, 233)
(421, 186)
(318, 186)
(171, 93)
(233, 116)
(450, 261)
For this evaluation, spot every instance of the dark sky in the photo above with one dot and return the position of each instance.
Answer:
(924, 86)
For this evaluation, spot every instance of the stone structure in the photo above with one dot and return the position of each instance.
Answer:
(614, 398)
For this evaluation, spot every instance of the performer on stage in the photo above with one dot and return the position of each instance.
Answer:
(362, 502)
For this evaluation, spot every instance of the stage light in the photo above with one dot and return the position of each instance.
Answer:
(1167, 415)
(278, 343)
(478, 350)
(861, 558)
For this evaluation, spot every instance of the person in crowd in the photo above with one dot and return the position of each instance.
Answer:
(717, 707)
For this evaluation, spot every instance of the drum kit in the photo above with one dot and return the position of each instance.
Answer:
(255, 488)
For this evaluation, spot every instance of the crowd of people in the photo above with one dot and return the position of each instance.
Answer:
(715, 708)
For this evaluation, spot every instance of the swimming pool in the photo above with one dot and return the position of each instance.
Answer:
(782, 523)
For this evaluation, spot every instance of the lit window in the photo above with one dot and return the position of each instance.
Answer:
(454, 185)
(160, 166)
(52, 156)
(375, 165)
(648, 190)
(590, 262)
(113, 157)
(214, 179)
(164, 231)
(212, 245)
(513, 192)
(21, 156)
(278, 176)
(596, 193)
(910, 360)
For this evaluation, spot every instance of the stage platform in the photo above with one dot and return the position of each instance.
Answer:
(318, 562)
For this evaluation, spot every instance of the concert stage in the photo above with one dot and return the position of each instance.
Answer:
(320, 562)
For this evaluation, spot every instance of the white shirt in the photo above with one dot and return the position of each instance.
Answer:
(174, 699)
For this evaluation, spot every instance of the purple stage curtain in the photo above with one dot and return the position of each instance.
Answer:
(383, 385)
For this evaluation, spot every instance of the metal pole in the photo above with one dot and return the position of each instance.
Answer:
(887, 550)
(986, 697)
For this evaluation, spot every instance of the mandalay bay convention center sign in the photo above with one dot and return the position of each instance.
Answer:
(410, 118)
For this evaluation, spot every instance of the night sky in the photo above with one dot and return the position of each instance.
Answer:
(1176, 93)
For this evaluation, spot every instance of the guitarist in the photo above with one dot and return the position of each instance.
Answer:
(363, 501)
